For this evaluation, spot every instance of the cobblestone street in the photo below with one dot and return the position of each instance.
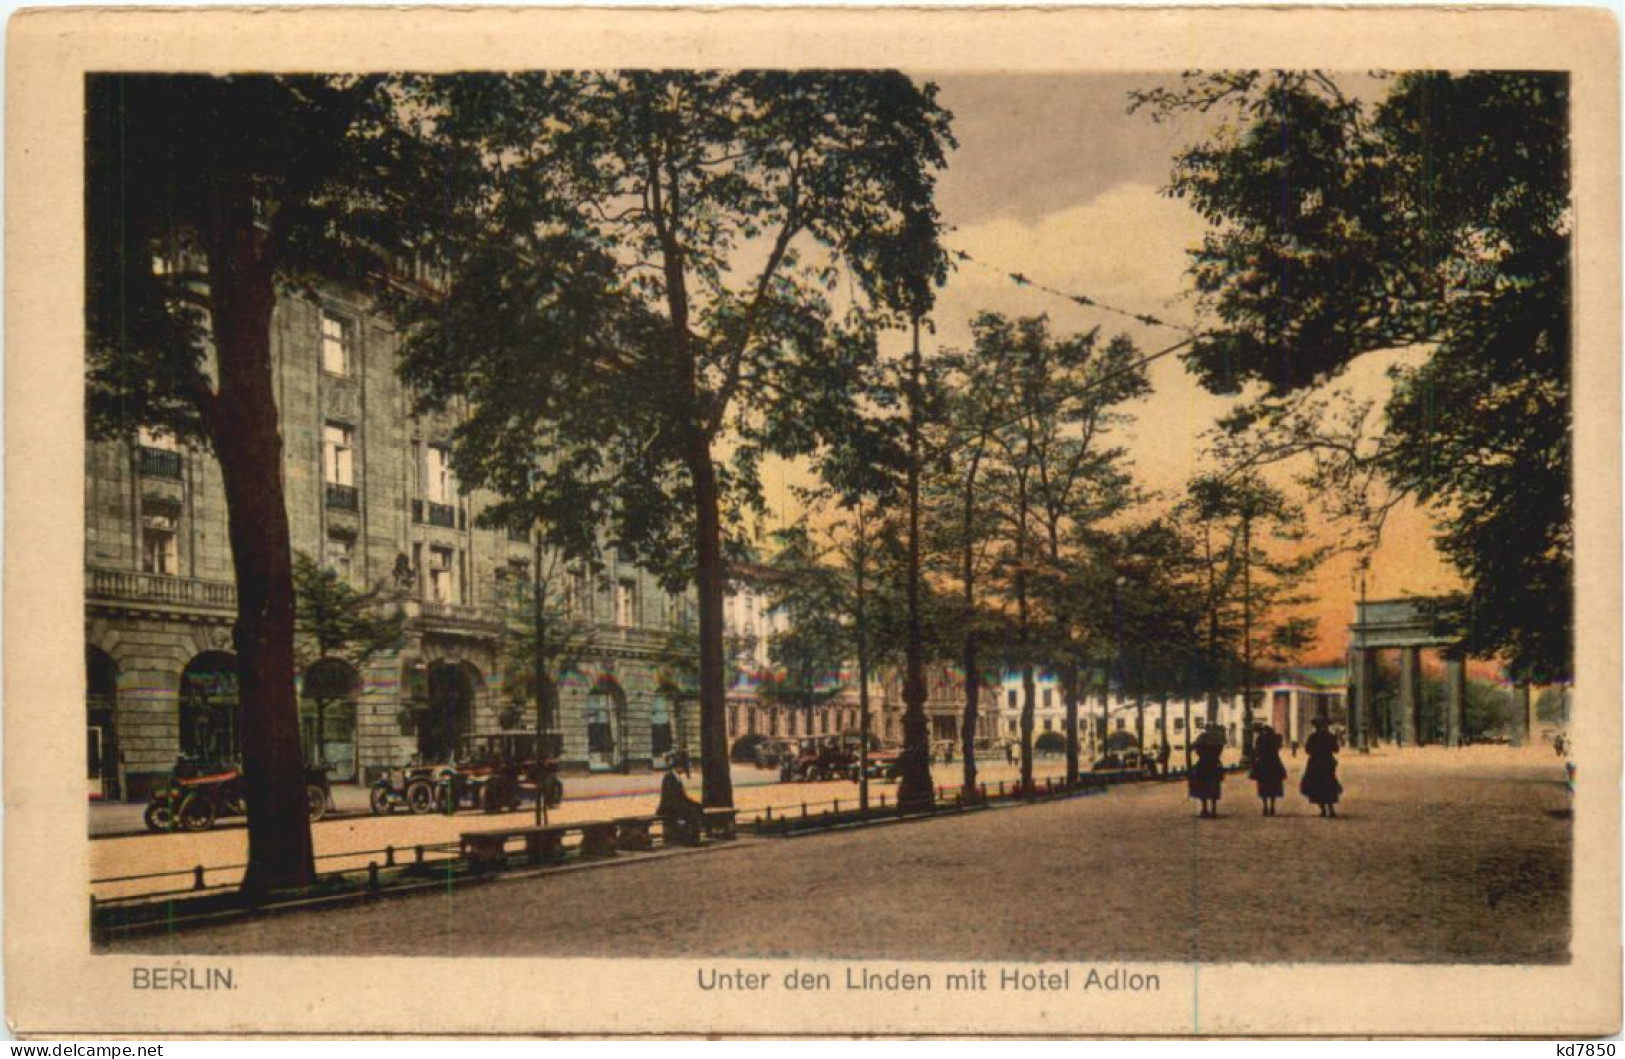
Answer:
(1438, 856)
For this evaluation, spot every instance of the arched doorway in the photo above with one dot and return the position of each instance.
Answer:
(327, 712)
(101, 723)
(208, 708)
(449, 712)
(606, 723)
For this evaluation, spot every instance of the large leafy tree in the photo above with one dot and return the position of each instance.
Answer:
(809, 653)
(1055, 474)
(658, 285)
(204, 197)
(1438, 217)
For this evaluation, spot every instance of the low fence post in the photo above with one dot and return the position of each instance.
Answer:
(389, 856)
(372, 877)
(197, 877)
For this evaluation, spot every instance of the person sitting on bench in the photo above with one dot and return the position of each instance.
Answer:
(681, 816)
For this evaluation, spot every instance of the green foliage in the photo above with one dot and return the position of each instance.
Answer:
(542, 633)
(809, 653)
(335, 621)
(652, 261)
(1439, 216)
(177, 166)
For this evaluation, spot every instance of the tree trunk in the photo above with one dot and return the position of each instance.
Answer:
(1029, 701)
(248, 445)
(1069, 688)
(717, 783)
(915, 789)
(973, 694)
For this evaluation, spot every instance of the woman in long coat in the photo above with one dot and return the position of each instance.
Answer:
(1206, 778)
(1319, 783)
(1268, 771)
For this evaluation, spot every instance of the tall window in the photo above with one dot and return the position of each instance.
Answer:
(338, 455)
(439, 484)
(336, 358)
(626, 604)
(1049, 700)
(442, 587)
(159, 551)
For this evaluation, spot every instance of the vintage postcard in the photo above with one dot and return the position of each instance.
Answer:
(752, 522)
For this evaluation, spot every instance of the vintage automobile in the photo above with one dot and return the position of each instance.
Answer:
(200, 792)
(886, 762)
(1130, 760)
(494, 773)
(824, 758)
(773, 753)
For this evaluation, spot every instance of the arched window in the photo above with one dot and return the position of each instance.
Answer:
(101, 720)
(209, 711)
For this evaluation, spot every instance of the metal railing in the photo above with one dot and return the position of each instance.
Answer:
(343, 497)
(431, 513)
(136, 587)
(158, 463)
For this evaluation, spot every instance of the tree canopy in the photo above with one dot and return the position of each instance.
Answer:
(1437, 216)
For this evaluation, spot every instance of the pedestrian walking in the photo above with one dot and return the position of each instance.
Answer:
(1206, 780)
(1319, 783)
(1164, 752)
(1268, 772)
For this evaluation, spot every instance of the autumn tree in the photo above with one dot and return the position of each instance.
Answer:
(658, 284)
(206, 198)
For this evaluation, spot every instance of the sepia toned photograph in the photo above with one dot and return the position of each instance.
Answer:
(911, 545)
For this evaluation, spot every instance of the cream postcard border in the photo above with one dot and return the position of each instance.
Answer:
(55, 987)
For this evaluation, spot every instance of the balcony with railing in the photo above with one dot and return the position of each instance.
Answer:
(455, 618)
(435, 514)
(161, 590)
(343, 497)
(158, 463)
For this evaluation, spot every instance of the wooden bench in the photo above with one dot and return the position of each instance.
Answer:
(720, 824)
(489, 849)
(598, 838)
(635, 832)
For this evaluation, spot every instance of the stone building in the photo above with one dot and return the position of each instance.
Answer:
(371, 495)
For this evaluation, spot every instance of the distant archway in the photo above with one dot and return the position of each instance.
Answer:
(101, 723)
(327, 716)
(210, 716)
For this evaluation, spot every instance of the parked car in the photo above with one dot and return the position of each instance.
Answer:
(493, 773)
(200, 792)
(1119, 760)
(824, 758)
(773, 753)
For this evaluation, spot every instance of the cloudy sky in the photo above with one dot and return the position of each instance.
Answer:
(1053, 178)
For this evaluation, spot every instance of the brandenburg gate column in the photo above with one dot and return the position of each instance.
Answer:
(1455, 698)
(1410, 694)
(1522, 728)
(1360, 699)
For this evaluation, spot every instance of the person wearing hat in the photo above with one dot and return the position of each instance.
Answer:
(1206, 778)
(1319, 783)
(1268, 771)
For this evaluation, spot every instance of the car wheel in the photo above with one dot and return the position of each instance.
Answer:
(159, 816)
(196, 813)
(420, 796)
(381, 801)
(316, 799)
